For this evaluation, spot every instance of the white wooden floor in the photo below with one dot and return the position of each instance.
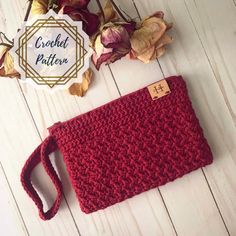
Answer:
(201, 203)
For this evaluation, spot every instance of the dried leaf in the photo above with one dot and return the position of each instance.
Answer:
(7, 64)
(80, 89)
(3, 50)
(39, 7)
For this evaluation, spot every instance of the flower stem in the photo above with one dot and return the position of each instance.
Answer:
(28, 10)
(118, 11)
(101, 9)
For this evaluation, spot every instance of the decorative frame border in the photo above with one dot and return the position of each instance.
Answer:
(51, 21)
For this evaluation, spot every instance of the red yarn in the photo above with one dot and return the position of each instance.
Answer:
(123, 148)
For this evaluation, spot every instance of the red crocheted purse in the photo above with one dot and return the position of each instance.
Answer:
(123, 148)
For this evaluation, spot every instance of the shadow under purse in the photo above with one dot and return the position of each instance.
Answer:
(130, 145)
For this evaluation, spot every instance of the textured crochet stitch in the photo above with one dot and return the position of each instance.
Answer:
(123, 148)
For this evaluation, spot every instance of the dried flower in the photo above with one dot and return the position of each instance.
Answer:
(149, 40)
(112, 43)
(6, 63)
(90, 20)
(80, 89)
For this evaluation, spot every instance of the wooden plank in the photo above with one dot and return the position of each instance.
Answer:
(187, 56)
(9, 210)
(132, 75)
(218, 38)
(218, 35)
(196, 201)
(9, 213)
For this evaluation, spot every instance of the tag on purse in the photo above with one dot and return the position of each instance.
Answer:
(159, 89)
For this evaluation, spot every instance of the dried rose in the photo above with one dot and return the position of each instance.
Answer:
(112, 43)
(90, 20)
(6, 63)
(149, 40)
(80, 89)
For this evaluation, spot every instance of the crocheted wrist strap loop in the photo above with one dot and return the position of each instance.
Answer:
(41, 154)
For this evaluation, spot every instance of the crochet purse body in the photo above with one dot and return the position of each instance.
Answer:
(123, 148)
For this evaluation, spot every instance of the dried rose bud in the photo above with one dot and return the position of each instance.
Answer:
(112, 43)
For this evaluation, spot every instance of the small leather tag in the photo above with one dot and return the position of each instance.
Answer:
(159, 89)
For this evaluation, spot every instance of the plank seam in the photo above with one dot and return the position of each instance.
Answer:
(172, 223)
(218, 208)
(113, 77)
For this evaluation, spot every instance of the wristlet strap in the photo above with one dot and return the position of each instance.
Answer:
(41, 154)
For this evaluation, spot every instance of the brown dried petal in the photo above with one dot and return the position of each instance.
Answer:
(164, 40)
(3, 50)
(158, 52)
(39, 7)
(140, 41)
(147, 55)
(151, 31)
(155, 25)
(80, 89)
(7, 65)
